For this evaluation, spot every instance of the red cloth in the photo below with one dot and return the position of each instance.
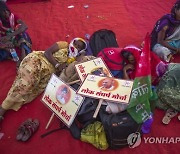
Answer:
(52, 21)
(144, 65)
(112, 57)
(23, 1)
(136, 53)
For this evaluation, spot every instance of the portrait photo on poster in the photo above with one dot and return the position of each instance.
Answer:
(108, 84)
(63, 94)
(100, 71)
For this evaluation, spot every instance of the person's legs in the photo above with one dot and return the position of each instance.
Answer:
(163, 52)
(22, 90)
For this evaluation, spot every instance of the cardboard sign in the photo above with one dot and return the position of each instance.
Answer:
(62, 100)
(107, 88)
(95, 67)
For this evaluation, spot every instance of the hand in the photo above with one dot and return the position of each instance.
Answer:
(5, 38)
(128, 67)
(80, 57)
(60, 68)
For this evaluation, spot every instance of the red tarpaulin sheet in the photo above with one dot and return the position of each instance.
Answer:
(52, 21)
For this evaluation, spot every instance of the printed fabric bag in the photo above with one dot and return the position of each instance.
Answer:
(94, 134)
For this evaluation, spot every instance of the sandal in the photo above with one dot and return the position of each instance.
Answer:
(22, 128)
(170, 113)
(30, 129)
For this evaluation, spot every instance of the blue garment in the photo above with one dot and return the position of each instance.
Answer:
(3, 55)
(175, 43)
(117, 74)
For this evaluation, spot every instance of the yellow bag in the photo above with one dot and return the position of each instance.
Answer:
(94, 134)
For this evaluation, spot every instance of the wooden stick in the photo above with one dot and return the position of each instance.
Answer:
(97, 109)
(73, 82)
(52, 116)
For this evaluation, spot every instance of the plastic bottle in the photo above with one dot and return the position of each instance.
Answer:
(14, 55)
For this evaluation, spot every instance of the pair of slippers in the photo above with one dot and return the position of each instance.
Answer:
(170, 113)
(27, 129)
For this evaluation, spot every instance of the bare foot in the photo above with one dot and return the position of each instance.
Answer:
(2, 112)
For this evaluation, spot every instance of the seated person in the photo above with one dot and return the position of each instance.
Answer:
(165, 37)
(36, 69)
(12, 34)
(168, 90)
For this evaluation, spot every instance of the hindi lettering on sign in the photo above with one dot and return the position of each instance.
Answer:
(145, 116)
(96, 67)
(139, 91)
(139, 107)
(106, 88)
(62, 100)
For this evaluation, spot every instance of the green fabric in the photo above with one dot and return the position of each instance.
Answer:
(153, 100)
(168, 89)
(139, 107)
(95, 135)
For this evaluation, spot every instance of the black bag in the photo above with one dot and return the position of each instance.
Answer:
(118, 127)
(86, 112)
(101, 39)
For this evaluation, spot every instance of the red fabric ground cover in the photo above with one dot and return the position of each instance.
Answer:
(52, 21)
(23, 1)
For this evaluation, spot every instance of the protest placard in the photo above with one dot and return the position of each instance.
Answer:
(62, 100)
(95, 66)
(106, 88)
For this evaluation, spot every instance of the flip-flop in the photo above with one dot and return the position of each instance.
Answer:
(170, 113)
(30, 130)
(21, 129)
